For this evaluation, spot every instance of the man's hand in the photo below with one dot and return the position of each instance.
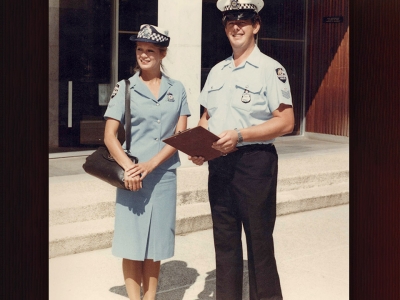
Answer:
(227, 142)
(197, 160)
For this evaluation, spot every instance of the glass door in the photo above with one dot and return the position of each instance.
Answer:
(84, 70)
(94, 53)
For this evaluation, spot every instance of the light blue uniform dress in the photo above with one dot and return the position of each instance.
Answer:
(145, 220)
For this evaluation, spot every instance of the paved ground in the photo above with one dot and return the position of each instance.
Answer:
(70, 163)
(311, 251)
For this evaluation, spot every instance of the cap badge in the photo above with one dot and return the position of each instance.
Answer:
(146, 32)
(246, 97)
(234, 3)
(170, 97)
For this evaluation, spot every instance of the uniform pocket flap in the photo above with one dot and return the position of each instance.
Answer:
(253, 87)
(216, 86)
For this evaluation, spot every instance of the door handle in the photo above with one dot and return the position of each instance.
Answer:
(69, 104)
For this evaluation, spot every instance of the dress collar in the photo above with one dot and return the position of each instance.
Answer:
(138, 85)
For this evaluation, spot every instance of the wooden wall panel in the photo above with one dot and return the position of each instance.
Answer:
(327, 88)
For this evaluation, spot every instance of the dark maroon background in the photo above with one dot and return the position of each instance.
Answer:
(374, 149)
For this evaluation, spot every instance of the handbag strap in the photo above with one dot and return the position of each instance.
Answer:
(127, 115)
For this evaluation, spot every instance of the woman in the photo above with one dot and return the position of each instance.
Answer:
(145, 213)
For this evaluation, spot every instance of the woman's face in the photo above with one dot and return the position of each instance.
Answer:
(148, 56)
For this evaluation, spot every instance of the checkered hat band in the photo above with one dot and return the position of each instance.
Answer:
(154, 37)
(240, 6)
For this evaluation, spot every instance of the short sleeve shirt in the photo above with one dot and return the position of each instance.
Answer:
(152, 120)
(244, 96)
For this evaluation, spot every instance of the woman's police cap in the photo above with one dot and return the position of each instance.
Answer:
(152, 34)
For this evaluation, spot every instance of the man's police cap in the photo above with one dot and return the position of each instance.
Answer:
(236, 5)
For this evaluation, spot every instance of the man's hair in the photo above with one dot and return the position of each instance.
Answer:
(254, 19)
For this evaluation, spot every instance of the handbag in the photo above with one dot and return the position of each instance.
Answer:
(101, 164)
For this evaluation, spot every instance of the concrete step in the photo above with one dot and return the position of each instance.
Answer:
(78, 198)
(311, 175)
(82, 236)
(312, 198)
(302, 181)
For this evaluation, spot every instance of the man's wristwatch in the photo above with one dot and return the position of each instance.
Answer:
(240, 138)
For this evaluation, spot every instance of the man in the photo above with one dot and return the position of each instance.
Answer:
(247, 104)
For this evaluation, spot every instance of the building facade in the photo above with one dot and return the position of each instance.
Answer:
(90, 51)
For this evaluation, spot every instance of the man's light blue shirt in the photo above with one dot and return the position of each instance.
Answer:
(246, 95)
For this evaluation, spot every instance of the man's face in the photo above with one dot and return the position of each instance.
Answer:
(241, 33)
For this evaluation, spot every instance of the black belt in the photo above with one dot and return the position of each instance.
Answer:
(255, 147)
(246, 148)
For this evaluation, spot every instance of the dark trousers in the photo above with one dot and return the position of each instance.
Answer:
(242, 191)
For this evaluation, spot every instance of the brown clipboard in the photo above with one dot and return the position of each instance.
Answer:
(195, 142)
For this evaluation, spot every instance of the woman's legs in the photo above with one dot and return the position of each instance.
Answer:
(151, 271)
(132, 270)
(137, 271)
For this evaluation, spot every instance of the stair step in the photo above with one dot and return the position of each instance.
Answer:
(91, 235)
(78, 198)
(193, 217)
(312, 198)
(290, 183)
(80, 237)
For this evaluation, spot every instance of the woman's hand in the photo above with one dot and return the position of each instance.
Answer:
(141, 170)
(132, 183)
(197, 160)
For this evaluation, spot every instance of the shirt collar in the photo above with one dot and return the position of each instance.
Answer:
(253, 59)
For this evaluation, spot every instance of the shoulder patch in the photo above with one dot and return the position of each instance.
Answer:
(115, 91)
(280, 72)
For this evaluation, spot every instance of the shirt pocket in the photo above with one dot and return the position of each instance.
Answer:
(247, 95)
(213, 94)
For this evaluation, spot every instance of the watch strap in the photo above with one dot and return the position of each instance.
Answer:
(240, 137)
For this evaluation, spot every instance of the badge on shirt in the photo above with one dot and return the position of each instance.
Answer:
(170, 97)
(281, 74)
(246, 97)
(115, 91)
